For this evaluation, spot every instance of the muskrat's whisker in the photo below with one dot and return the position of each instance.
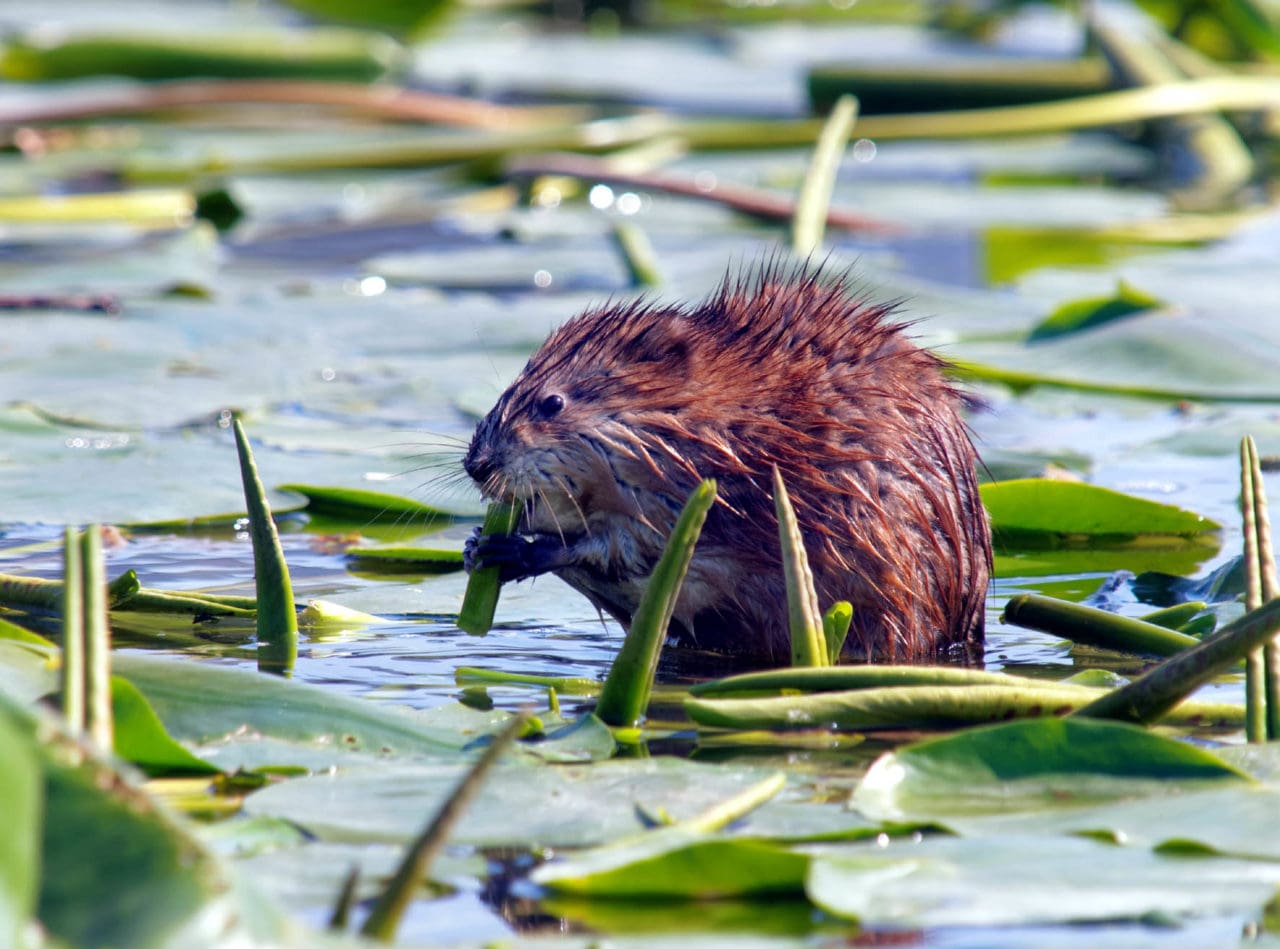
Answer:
(555, 518)
(582, 515)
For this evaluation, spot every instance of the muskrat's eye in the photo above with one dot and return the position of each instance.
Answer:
(551, 405)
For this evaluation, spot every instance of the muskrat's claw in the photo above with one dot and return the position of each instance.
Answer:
(517, 556)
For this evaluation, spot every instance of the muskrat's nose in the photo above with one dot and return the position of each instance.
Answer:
(479, 464)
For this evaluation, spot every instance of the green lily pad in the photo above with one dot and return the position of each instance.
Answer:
(1036, 764)
(141, 738)
(200, 703)
(1021, 880)
(520, 805)
(1083, 314)
(359, 506)
(1039, 511)
(674, 863)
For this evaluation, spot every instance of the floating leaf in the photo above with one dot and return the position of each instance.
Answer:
(140, 736)
(359, 506)
(674, 863)
(199, 702)
(1042, 763)
(1032, 509)
(1094, 311)
(1025, 880)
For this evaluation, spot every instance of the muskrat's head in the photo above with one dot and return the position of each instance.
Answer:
(591, 418)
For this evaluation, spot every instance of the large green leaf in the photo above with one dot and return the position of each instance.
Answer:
(20, 801)
(199, 702)
(140, 736)
(113, 867)
(1082, 314)
(674, 863)
(1040, 763)
(521, 804)
(1037, 507)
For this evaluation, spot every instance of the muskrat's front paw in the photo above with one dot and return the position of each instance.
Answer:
(517, 556)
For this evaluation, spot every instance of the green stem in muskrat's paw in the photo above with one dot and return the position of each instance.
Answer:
(277, 617)
(808, 642)
(481, 598)
(626, 689)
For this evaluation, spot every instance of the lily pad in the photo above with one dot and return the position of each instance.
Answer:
(1083, 314)
(1020, 880)
(1044, 510)
(1032, 765)
(520, 805)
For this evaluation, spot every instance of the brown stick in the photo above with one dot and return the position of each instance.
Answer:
(392, 103)
(753, 201)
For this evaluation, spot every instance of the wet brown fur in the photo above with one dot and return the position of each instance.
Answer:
(777, 367)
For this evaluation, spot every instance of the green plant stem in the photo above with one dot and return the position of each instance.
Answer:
(835, 629)
(808, 642)
(735, 808)
(813, 203)
(390, 906)
(1189, 97)
(277, 616)
(637, 253)
(1255, 701)
(123, 593)
(1262, 695)
(73, 673)
(626, 690)
(848, 678)
(954, 83)
(340, 917)
(98, 723)
(471, 675)
(1223, 163)
(920, 706)
(1149, 697)
(1084, 624)
(480, 601)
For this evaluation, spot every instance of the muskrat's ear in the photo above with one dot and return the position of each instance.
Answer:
(668, 346)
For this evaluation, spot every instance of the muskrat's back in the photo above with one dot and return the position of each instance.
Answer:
(626, 407)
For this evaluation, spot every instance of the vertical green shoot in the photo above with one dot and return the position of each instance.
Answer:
(480, 601)
(637, 253)
(809, 223)
(73, 676)
(835, 629)
(97, 642)
(1262, 693)
(808, 641)
(277, 617)
(626, 689)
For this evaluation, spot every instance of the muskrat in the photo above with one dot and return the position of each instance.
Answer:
(627, 406)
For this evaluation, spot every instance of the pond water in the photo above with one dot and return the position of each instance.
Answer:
(362, 319)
